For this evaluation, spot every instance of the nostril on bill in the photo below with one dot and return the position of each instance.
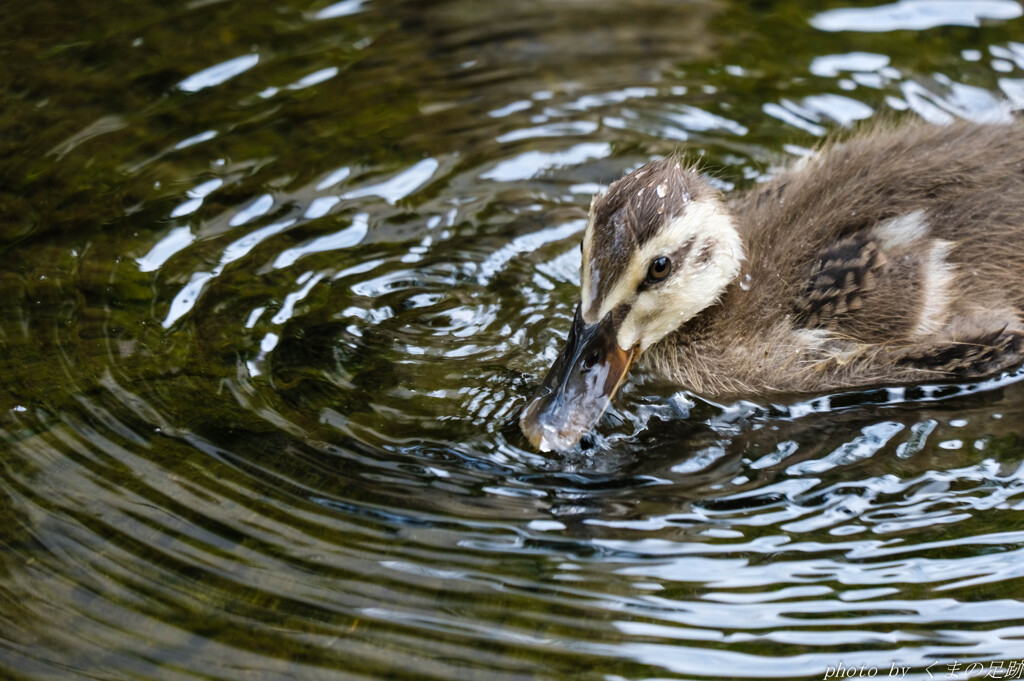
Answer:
(589, 362)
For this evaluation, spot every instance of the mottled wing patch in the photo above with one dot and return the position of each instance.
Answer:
(839, 278)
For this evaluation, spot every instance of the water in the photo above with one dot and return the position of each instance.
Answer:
(277, 278)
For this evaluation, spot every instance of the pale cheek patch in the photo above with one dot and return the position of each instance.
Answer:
(658, 312)
(704, 222)
(699, 281)
(653, 316)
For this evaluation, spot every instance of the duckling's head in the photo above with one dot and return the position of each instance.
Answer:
(659, 247)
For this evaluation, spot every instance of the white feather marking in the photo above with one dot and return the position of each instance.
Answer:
(901, 231)
(588, 288)
(800, 165)
(937, 278)
(811, 339)
(591, 294)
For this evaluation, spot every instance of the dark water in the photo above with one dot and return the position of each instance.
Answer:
(275, 279)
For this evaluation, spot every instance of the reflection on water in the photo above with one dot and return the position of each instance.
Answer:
(277, 279)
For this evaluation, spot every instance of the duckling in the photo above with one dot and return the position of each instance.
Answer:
(891, 257)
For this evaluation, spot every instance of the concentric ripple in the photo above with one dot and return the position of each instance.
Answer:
(278, 279)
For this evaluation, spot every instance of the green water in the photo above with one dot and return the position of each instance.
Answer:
(275, 280)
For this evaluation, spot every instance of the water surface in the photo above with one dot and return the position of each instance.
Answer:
(276, 278)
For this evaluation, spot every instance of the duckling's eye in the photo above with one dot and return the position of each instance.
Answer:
(659, 269)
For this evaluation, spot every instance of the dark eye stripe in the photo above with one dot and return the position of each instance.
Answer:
(683, 252)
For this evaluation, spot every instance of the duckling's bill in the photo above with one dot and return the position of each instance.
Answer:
(579, 386)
